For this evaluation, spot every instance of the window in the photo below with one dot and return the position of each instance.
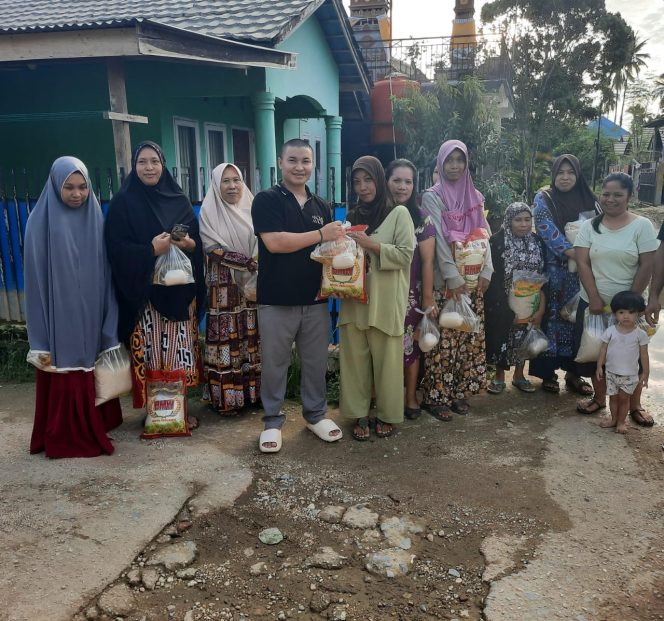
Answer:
(187, 158)
(215, 138)
(317, 182)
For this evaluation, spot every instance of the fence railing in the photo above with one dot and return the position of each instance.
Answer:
(427, 59)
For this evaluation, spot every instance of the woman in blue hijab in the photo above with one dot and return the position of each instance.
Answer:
(72, 315)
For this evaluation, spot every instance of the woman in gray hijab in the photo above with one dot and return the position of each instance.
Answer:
(72, 315)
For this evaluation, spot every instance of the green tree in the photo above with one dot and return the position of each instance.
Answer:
(426, 118)
(563, 52)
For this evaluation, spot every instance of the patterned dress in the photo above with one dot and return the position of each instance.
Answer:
(232, 357)
(456, 367)
(411, 349)
(158, 343)
(562, 286)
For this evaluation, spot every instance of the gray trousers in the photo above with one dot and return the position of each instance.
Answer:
(279, 327)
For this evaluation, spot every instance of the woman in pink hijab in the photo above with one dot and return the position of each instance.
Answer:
(456, 367)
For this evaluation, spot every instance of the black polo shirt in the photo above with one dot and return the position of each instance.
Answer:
(293, 278)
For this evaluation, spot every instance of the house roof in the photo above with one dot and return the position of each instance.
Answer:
(611, 130)
(259, 21)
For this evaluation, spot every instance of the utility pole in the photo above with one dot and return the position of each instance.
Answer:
(596, 157)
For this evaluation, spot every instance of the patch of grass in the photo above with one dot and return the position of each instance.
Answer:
(14, 348)
(332, 377)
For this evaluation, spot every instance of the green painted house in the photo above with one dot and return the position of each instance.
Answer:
(210, 81)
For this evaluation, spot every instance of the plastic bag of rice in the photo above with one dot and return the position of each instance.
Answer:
(166, 404)
(591, 339)
(524, 298)
(112, 375)
(469, 256)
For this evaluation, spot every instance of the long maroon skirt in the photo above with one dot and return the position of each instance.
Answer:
(67, 422)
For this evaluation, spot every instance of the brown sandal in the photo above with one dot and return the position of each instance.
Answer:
(579, 386)
(641, 417)
(587, 408)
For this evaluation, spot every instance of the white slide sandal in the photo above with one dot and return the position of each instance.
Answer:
(323, 428)
(270, 436)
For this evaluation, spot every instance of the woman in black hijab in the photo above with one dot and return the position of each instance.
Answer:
(158, 323)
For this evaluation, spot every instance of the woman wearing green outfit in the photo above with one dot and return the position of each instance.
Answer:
(371, 352)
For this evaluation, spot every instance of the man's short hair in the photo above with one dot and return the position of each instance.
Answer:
(297, 143)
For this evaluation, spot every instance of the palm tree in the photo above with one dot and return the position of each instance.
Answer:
(658, 91)
(629, 72)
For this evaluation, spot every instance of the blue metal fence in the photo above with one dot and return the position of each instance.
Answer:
(15, 214)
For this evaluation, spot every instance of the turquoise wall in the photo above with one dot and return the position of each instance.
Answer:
(156, 89)
(306, 93)
(52, 88)
(316, 74)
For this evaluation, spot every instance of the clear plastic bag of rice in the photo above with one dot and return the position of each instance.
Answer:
(459, 315)
(173, 268)
(591, 339)
(568, 311)
(112, 375)
(533, 344)
(428, 333)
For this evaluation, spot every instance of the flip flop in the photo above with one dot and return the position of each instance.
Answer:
(586, 410)
(269, 436)
(495, 387)
(523, 385)
(637, 416)
(439, 412)
(323, 428)
(379, 425)
(363, 424)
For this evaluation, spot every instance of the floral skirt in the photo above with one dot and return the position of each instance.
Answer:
(456, 367)
(158, 343)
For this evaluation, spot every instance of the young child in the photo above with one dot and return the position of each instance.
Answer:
(623, 347)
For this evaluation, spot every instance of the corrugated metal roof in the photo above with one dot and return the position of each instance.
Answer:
(264, 21)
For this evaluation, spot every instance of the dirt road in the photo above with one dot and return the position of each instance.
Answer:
(521, 510)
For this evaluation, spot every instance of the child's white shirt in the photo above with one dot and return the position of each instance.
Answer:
(624, 350)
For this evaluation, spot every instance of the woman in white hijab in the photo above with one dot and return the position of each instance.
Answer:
(232, 358)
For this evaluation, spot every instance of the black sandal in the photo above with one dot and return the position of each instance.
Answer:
(379, 426)
(412, 413)
(579, 386)
(551, 385)
(363, 424)
(460, 406)
(439, 412)
(587, 409)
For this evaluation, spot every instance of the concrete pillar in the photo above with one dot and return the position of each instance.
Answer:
(333, 135)
(266, 148)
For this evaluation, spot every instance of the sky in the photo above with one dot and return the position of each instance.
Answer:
(431, 18)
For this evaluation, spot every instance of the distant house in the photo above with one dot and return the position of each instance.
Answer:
(211, 81)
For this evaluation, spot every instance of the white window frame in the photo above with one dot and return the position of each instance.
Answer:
(215, 127)
(184, 122)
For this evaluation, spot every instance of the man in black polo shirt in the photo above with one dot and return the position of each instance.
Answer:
(289, 221)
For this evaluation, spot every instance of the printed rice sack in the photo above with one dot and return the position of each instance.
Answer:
(166, 404)
(469, 256)
(349, 282)
(344, 268)
(524, 297)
